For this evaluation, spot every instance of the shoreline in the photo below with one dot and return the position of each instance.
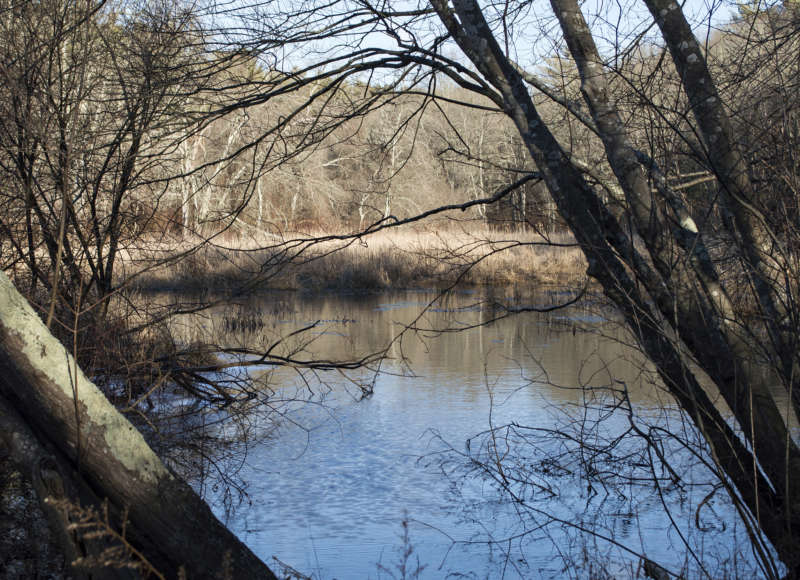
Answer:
(407, 260)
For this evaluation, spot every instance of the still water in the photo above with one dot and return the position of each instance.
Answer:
(346, 485)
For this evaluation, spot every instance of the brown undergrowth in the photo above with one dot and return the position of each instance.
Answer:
(387, 260)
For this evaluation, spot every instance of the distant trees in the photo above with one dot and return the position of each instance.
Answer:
(370, 164)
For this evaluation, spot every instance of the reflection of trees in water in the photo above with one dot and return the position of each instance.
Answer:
(616, 453)
(570, 350)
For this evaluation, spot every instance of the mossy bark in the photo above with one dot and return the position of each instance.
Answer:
(97, 456)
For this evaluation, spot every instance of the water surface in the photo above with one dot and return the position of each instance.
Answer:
(346, 484)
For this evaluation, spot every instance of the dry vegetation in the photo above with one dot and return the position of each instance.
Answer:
(386, 260)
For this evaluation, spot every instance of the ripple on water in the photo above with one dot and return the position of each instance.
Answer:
(329, 498)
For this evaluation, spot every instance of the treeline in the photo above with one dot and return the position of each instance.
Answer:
(332, 165)
(348, 155)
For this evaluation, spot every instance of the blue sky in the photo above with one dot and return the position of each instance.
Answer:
(615, 24)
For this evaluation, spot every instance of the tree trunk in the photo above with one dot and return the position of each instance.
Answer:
(94, 454)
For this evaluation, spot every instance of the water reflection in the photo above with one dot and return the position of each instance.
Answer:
(330, 492)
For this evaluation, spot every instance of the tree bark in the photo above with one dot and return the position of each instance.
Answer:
(167, 521)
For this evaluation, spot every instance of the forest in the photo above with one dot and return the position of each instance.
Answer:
(160, 159)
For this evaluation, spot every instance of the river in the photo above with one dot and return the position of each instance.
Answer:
(408, 482)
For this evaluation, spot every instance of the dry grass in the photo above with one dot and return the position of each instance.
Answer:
(390, 259)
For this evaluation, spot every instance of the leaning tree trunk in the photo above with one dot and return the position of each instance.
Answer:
(76, 448)
(669, 304)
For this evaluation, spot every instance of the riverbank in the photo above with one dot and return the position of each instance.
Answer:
(409, 259)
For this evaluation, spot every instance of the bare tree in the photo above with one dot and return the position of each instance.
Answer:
(707, 284)
(96, 108)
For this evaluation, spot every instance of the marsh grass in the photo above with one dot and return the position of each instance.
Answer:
(387, 260)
